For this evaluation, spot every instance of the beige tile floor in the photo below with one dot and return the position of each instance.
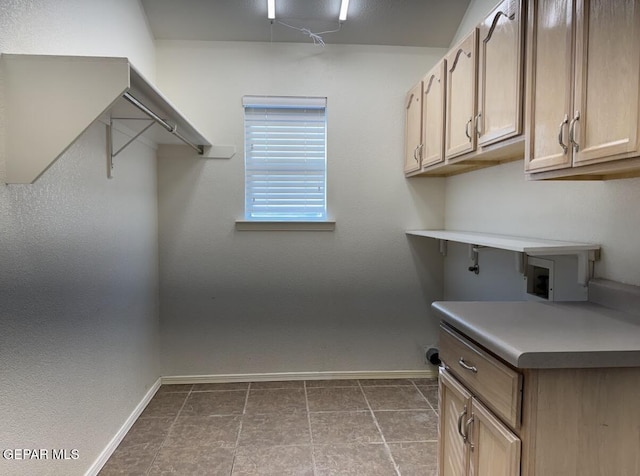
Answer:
(293, 428)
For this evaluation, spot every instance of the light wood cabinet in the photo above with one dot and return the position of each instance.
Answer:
(473, 442)
(500, 76)
(433, 107)
(455, 406)
(583, 99)
(484, 375)
(413, 129)
(460, 135)
(495, 450)
(483, 98)
(574, 422)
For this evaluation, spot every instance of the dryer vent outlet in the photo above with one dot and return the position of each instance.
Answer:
(432, 355)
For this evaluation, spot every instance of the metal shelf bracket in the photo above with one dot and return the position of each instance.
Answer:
(586, 261)
(110, 153)
(443, 247)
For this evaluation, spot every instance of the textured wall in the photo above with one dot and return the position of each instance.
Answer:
(353, 299)
(78, 253)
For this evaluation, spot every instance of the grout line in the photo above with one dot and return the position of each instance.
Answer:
(244, 412)
(423, 396)
(313, 455)
(221, 390)
(384, 441)
(428, 401)
(168, 431)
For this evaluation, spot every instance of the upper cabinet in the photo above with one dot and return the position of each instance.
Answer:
(583, 99)
(460, 135)
(424, 121)
(433, 102)
(500, 77)
(483, 97)
(413, 129)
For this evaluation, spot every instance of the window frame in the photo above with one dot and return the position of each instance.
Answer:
(287, 107)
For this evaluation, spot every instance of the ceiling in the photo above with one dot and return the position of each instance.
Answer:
(374, 22)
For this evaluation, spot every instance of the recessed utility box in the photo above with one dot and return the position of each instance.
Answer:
(540, 281)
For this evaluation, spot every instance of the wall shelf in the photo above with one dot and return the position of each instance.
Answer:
(51, 100)
(587, 253)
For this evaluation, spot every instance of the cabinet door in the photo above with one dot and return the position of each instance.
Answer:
(495, 450)
(413, 129)
(607, 80)
(455, 410)
(460, 136)
(433, 115)
(500, 74)
(549, 85)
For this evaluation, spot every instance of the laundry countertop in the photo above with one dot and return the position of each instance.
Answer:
(531, 334)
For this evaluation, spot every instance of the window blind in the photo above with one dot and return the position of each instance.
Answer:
(285, 158)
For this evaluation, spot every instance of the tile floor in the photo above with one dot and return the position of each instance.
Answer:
(293, 428)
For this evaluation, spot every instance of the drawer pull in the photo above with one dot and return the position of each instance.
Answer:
(466, 366)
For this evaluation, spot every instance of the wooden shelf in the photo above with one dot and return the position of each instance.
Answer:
(51, 100)
(586, 252)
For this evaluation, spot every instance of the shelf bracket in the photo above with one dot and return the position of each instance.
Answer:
(443, 247)
(473, 256)
(110, 153)
(521, 262)
(586, 261)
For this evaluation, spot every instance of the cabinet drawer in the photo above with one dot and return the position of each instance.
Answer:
(496, 385)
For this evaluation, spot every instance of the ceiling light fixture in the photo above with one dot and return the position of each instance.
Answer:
(271, 9)
(344, 6)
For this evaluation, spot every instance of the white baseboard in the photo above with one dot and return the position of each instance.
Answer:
(115, 441)
(276, 376)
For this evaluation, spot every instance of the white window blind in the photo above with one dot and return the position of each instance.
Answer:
(285, 158)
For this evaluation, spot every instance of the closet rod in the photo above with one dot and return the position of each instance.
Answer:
(162, 122)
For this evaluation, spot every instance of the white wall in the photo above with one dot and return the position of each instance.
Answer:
(476, 12)
(499, 200)
(78, 253)
(250, 302)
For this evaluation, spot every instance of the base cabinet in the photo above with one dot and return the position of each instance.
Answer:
(473, 442)
(495, 450)
(573, 422)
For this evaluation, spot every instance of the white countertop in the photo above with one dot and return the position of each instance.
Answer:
(549, 335)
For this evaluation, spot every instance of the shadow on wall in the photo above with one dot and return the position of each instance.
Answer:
(429, 265)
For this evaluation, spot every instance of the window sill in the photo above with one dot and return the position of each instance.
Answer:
(243, 225)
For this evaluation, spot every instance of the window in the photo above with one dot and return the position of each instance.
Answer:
(285, 158)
